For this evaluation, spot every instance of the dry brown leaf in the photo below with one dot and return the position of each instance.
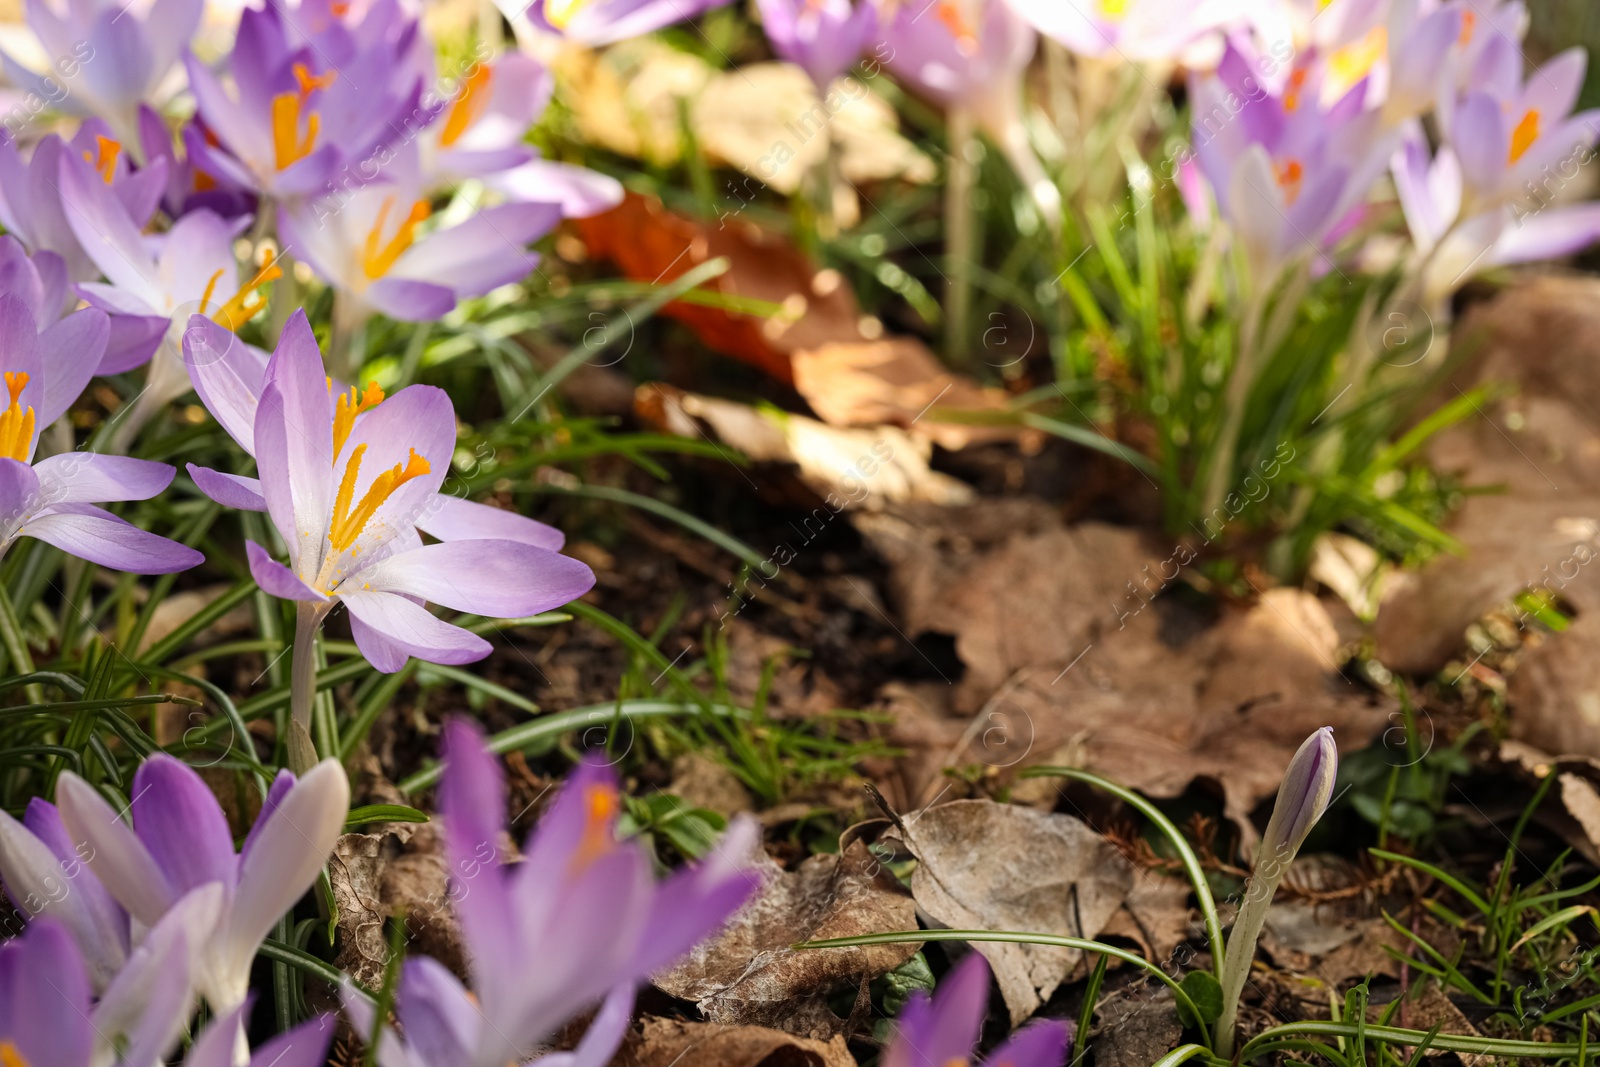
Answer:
(679, 1043)
(1136, 1026)
(900, 382)
(627, 97)
(749, 975)
(1155, 915)
(988, 866)
(401, 872)
(356, 875)
(846, 468)
(766, 120)
(650, 243)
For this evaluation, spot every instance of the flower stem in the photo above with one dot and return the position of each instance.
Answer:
(960, 234)
(347, 340)
(1223, 453)
(303, 686)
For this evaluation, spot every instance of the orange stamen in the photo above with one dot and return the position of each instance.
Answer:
(469, 105)
(104, 157)
(10, 1057)
(288, 148)
(1289, 175)
(309, 82)
(1469, 22)
(347, 522)
(955, 20)
(1523, 136)
(243, 306)
(16, 428)
(379, 257)
(600, 812)
(348, 407)
(1297, 82)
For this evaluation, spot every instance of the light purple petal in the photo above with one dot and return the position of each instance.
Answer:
(273, 577)
(441, 1021)
(485, 251)
(1043, 1044)
(92, 478)
(472, 804)
(279, 789)
(100, 537)
(449, 518)
(294, 438)
(499, 579)
(1548, 234)
(179, 820)
(72, 349)
(228, 374)
(229, 490)
(579, 191)
(19, 491)
(414, 629)
(406, 300)
(44, 997)
(114, 852)
(606, 1032)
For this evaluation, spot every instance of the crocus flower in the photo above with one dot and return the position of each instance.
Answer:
(294, 114)
(822, 37)
(48, 1017)
(1285, 171)
(1135, 30)
(349, 477)
(1302, 798)
(583, 905)
(370, 244)
(44, 874)
(598, 22)
(957, 51)
(188, 187)
(154, 285)
(1453, 249)
(38, 280)
(53, 499)
(943, 1029)
(1511, 137)
(119, 57)
(180, 841)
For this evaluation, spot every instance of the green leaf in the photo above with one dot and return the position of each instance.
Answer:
(1206, 992)
(373, 813)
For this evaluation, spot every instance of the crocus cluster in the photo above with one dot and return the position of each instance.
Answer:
(583, 905)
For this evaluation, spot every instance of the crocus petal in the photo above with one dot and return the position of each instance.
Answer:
(694, 903)
(485, 251)
(1480, 138)
(273, 577)
(214, 1047)
(503, 579)
(106, 945)
(449, 518)
(180, 822)
(408, 300)
(578, 191)
(115, 854)
(413, 628)
(283, 863)
(294, 450)
(44, 997)
(19, 490)
(132, 341)
(1304, 795)
(72, 349)
(39, 883)
(1043, 1044)
(152, 998)
(472, 804)
(605, 1034)
(100, 537)
(229, 490)
(227, 374)
(1548, 234)
(441, 1021)
(89, 477)
(281, 785)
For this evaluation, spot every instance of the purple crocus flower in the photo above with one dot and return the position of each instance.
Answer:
(110, 56)
(1137, 30)
(349, 478)
(369, 243)
(180, 842)
(581, 903)
(188, 187)
(304, 1046)
(53, 499)
(1510, 137)
(822, 37)
(943, 1029)
(298, 108)
(956, 51)
(599, 22)
(44, 874)
(48, 1017)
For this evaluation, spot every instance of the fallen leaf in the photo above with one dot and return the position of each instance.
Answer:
(401, 872)
(766, 120)
(1039, 872)
(1136, 1026)
(1155, 915)
(649, 243)
(900, 382)
(846, 468)
(679, 1043)
(356, 874)
(627, 98)
(750, 974)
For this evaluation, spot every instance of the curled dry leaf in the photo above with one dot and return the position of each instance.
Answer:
(1035, 871)
(676, 1043)
(750, 974)
(846, 468)
(627, 97)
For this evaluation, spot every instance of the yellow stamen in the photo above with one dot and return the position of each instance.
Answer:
(469, 105)
(1113, 9)
(104, 157)
(349, 406)
(10, 1057)
(378, 258)
(244, 305)
(347, 523)
(1522, 138)
(1355, 61)
(16, 423)
(211, 286)
(1290, 174)
(600, 812)
(560, 12)
(288, 148)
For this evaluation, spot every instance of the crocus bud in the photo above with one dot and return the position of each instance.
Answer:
(1302, 798)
